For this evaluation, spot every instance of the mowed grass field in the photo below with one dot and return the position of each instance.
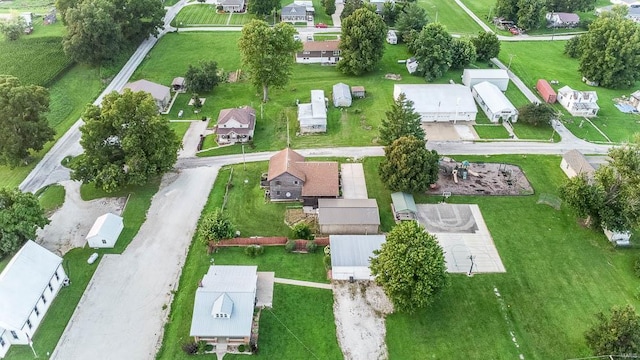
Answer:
(559, 275)
(34, 60)
(532, 61)
(195, 15)
(450, 15)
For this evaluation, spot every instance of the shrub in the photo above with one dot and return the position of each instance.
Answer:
(190, 348)
(327, 261)
(290, 245)
(301, 231)
(636, 267)
(311, 246)
(254, 250)
(202, 347)
(241, 348)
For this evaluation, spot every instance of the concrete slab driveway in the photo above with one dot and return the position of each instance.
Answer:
(120, 315)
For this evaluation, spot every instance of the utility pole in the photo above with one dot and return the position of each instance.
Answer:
(511, 56)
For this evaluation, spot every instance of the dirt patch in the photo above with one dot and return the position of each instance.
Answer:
(393, 77)
(359, 310)
(482, 179)
(234, 76)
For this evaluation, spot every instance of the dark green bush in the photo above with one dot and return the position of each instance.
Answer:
(190, 348)
(311, 246)
(241, 348)
(301, 231)
(327, 261)
(254, 250)
(202, 347)
(290, 245)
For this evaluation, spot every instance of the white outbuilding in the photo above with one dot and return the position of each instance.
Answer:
(351, 255)
(497, 77)
(105, 231)
(494, 103)
(341, 95)
(439, 102)
(28, 285)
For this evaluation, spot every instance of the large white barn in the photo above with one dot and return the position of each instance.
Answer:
(494, 103)
(28, 285)
(440, 102)
(351, 254)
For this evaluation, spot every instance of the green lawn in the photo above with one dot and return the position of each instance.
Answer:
(180, 128)
(198, 15)
(306, 312)
(491, 131)
(51, 198)
(58, 315)
(450, 15)
(557, 66)
(320, 16)
(558, 276)
(135, 212)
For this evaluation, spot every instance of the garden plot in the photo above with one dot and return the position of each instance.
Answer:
(464, 237)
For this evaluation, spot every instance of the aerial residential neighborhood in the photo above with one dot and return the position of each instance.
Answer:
(336, 179)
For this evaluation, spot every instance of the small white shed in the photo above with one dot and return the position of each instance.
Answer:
(618, 238)
(105, 231)
(341, 95)
(351, 254)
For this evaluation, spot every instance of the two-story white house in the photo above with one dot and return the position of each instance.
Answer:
(28, 285)
(236, 125)
(579, 103)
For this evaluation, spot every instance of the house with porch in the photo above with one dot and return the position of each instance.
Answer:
(313, 116)
(578, 103)
(235, 125)
(293, 13)
(28, 285)
(291, 178)
(224, 304)
(562, 20)
(236, 6)
(319, 52)
(160, 93)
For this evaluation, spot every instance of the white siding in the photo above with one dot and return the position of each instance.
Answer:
(345, 272)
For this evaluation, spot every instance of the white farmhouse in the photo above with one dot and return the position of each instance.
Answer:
(28, 286)
(351, 255)
(440, 102)
(313, 116)
(105, 231)
(493, 102)
(579, 103)
(497, 77)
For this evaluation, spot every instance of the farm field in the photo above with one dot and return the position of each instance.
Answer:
(615, 124)
(559, 275)
(25, 58)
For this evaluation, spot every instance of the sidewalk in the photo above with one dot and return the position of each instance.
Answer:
(303, 283)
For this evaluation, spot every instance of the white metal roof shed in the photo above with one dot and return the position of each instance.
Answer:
(108, 228)
(495, 100)
(354, 250)
(22, 282)
(437, 98)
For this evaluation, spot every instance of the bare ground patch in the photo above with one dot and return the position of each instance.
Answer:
(482, 179)
(359, 310)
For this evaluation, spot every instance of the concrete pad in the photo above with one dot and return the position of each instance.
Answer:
(440, 131)
(466, 132)
(191, 138)
(264, 291)
(353, 184)
(121, 314)
(464, 237)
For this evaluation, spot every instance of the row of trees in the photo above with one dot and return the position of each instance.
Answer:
(99, 30)
(611, 33)
(530, 14)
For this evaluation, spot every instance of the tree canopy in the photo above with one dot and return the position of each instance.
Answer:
(573, 48)
(20, 216)
(23, 123)
(570, 5)
(362, 42)
(617, 333)
(202, 78)
(125, 142)
(98, 30)
(329, 6)
(268, 54)
(463, 53)
(410, 267)
(401, 120)
(611, 34)
(264, 7)
(528, 14)
(408, 165)
(433, 51)
(487, 45)
(14, 28)
(350, 6)
(410, 17)
(611, 198)
(215, 226)
(536, 114)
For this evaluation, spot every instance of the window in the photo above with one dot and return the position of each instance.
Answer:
(295, 182)
(57, 276)
(277, 192)
(50, 287)
(35, 310)
(1, 342)
(29, 324)
(104, 242)
(306, 53)
(15, 336)
(277, 182)
(44, 300)
(336, 52)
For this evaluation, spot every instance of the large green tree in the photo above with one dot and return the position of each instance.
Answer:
(410, 267)
(536, 114)
(507, 9)
(215, 226)
(202, 78)
(433, 51)
(573, 47)
(23, 123)
(570, 5)
(610, 51)
(264, 7)
(362, 42)
(401, 120)
(463, 53)
(20, 216)
(411, 17)
(350, 6)
(268, 54)
(14, 28)
(92, 35)
(530, 14)
(614, 334)
(389, 13)
(125, 142)
(487, 45)
(408, 166)
(329, 6)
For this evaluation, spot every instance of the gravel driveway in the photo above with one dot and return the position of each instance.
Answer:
(121, 315)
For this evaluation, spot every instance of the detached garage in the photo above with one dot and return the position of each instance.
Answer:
(350, 255)
(105, 231)
(348, 216)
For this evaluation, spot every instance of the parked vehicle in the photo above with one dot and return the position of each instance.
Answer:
(321, 25)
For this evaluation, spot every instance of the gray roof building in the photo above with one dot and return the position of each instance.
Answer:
(348, 216)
